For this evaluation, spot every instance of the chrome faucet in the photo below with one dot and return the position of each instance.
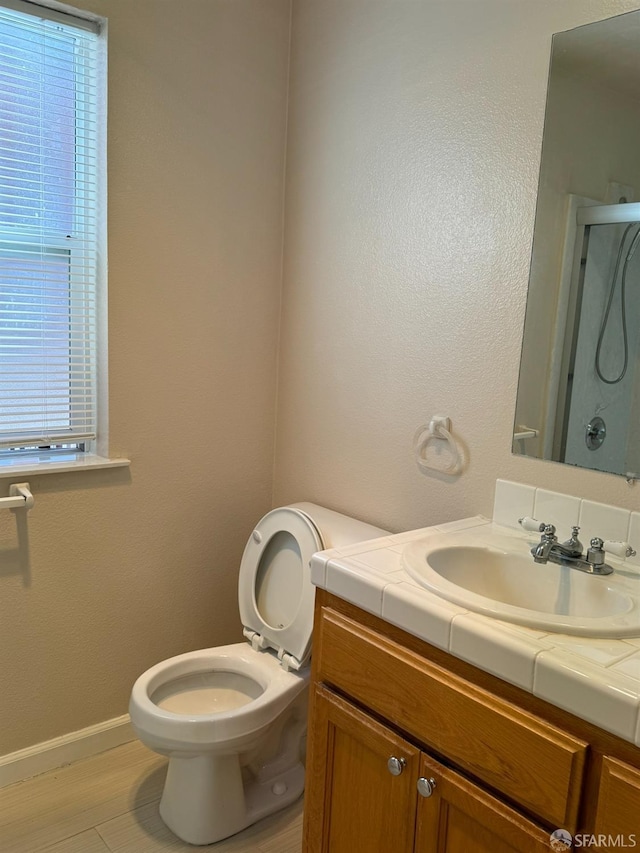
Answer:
(548, 547)
(569, 553)
(542, 551)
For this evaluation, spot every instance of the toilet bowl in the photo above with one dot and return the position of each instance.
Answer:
(232, 719)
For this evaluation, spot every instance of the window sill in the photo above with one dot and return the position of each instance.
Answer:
(33, 466)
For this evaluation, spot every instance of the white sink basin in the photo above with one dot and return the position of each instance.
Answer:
(509, 585)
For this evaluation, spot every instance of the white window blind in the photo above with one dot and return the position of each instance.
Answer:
(49, 172)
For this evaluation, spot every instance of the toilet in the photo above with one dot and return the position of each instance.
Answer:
(233, 719)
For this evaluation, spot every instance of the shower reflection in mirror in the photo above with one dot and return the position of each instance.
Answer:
(598, 341)
(579, 388)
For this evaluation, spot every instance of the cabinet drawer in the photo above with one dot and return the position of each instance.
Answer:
(530, 761)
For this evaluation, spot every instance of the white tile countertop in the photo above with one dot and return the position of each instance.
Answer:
(597, 679)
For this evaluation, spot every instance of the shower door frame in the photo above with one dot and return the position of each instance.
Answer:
(565, 329)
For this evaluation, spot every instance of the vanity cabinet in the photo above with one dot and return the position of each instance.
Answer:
(460, 817)
(357, 803)
(371, 789)
(388, 710)
(618, 811)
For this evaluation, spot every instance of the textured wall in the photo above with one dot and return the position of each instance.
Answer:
(413, 152)
(117, 570)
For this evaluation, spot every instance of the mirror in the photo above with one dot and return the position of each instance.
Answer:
(579, 389)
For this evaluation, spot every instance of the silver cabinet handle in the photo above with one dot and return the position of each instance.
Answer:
(426, 786)
(395, 766)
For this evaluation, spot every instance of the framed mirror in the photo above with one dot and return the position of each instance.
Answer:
(579, 389)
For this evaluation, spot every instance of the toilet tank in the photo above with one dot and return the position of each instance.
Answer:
(338, 530)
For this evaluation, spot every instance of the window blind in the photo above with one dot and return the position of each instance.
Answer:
(49, 171)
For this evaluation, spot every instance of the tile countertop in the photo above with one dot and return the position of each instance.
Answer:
(596, 679)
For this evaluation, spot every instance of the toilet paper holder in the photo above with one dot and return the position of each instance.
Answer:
(20, 497)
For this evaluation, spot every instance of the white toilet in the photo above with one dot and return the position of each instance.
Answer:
(233, 719)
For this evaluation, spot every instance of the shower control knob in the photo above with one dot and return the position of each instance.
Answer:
(595, 434)
(426, 786)
(395, 766)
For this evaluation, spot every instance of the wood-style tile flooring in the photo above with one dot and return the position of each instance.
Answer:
(109, 804)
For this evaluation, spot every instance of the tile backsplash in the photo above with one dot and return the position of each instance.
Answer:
(515, 500)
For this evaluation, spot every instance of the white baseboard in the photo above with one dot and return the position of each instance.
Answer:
(20, 765)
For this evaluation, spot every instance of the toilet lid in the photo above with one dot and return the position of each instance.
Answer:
(275, 592)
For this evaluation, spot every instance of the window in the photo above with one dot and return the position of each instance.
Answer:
(51, 246)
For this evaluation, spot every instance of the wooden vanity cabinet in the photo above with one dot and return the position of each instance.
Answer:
(460, 817)
(618, 811)
(354, 801)
(388, 710)
(357, 804)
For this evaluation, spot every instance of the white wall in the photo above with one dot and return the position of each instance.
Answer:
(119, 570)
(413, 153)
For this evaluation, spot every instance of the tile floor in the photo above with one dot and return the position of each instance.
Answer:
(109, 804)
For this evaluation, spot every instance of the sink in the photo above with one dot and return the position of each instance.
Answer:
(507, 584)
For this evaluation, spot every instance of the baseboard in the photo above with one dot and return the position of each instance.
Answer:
(25, 763)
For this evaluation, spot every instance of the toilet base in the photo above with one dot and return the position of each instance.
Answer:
(204, 798)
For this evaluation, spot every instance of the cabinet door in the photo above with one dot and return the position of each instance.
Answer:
(460, 817)
(353, 800)
(619, 802)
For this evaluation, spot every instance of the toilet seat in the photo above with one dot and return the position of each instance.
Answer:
(210, 691)
(273, 689)
(275, 593)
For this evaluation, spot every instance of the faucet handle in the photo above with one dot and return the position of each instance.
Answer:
(595, 552)
(573, 541)
(531, 524)
(618, 548)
